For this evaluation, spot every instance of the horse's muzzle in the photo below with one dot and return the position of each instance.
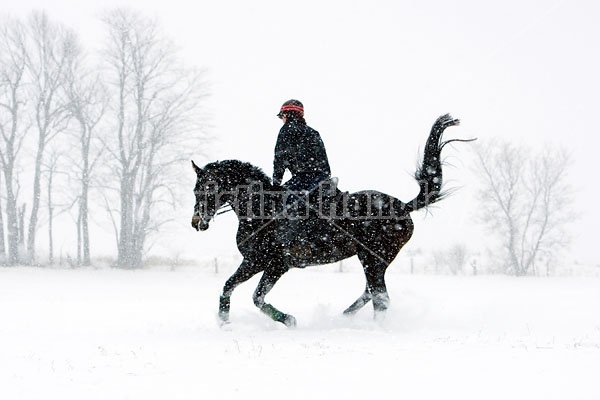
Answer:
(198, 224)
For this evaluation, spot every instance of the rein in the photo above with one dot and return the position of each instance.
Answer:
(222, 211)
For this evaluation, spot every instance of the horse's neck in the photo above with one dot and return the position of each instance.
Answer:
(254, 201)
(249, 175)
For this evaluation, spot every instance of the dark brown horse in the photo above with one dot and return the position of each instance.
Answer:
(330, 226)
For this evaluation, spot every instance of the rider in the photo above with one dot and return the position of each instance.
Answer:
(300, 149)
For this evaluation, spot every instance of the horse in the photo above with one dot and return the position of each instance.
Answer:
(370, 224)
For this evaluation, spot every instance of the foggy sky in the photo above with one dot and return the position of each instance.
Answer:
(373, 76)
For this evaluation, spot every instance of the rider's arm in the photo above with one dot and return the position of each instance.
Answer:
(279, 160)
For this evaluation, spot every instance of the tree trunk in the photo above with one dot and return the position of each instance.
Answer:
(33, 218)
(83, 235)
(125, 255)
(50, 221)
(12, 226)
(84, 215)
(85, 232)
(78, 224)
(12, 214)
(22, 225)
(2, 243)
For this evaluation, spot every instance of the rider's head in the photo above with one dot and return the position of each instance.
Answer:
(292, 109)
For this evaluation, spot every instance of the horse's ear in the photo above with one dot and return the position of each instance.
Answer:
(196, 168)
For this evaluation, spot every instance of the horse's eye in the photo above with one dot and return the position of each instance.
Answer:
(210, 187)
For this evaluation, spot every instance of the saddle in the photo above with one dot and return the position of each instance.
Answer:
(307, 216)
(316, 203)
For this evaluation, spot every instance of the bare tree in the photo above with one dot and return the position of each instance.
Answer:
(88, 102)
(156, 105)
(13, 126)
(439, 259)
(453, 257)
(457, 258)
(525, 201)
(47, 58)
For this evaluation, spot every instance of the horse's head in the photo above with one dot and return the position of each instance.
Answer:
(220, 183)
(207, 196)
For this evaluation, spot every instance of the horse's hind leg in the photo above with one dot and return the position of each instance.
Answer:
(374, 268)
(244, 272)
(268, 280)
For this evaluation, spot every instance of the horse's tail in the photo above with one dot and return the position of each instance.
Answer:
(429, 174)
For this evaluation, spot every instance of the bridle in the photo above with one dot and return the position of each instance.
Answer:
(220, 210)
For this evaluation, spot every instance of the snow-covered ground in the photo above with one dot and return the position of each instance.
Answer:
(153, 334)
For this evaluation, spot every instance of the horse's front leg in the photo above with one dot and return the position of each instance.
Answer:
(360, 303)
(265, 285)
(244, 272)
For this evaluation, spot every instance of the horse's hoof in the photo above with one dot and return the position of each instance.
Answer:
(223, 323)
(223, 319)
(289, 321)
(379, 316)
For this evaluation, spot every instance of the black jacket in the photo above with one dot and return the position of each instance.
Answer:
(300, 149)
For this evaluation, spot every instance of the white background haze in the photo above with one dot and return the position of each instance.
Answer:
(373, 77)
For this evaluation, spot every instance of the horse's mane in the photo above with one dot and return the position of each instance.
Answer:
(239, 172)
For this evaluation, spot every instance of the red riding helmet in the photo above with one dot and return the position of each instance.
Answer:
(292, 108)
